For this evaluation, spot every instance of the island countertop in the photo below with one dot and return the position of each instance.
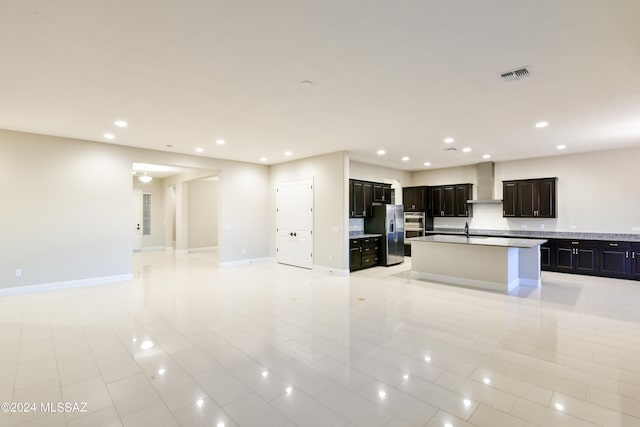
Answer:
(508, 242)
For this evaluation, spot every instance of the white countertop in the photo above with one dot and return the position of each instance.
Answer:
(481, 241)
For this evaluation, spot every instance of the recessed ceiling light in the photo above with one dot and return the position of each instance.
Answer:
(448, 140)
(265, 374)
(263, 159)
(121, 123)
(448, 425)
(486, 156)
(427, 359)
(559, 406)
(199, 150)
(487, 381)
(405, 159)
(220, 141)
(382, 394)
(466, 402)
(542, 124)
(381, 152)
(427, 163)
(109, 136)
(199, 402)
(405, 377)
(466, 149)
(161, 371)
(289, 390)
(561, 147)
(288, 153)
(220, 425)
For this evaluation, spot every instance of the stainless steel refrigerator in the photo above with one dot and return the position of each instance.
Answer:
(388, 220)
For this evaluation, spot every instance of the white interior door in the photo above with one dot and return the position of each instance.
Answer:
(137, 219)
(294, 222)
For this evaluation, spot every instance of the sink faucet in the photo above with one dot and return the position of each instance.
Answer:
(466, 229)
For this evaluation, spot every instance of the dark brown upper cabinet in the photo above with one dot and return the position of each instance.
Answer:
(381, 193)
(451, 200)
(529, 198)
(362, 196)
(413, 199)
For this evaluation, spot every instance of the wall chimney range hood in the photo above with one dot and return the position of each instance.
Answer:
(486, 184)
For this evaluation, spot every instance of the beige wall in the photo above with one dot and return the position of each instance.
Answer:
(330, 192)
(68, 216)
(203, 213)
(595, 192)
(66, 211)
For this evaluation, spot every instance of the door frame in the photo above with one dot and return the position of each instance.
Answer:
(306, 181)
(136, 201)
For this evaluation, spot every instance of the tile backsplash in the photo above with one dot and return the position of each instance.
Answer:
(356, 224)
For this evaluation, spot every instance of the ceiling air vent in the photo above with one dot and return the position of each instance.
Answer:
(518, 74)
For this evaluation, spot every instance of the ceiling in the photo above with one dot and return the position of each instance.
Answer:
(394, 75)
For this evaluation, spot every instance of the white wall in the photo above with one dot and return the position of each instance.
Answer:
(203, 213)
(66, 213)
(66, 210)
(594, 192)
(330, 192)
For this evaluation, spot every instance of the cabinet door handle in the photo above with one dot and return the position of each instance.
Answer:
(613, 244)
(633, 255)
(575, 243)
(627, 253)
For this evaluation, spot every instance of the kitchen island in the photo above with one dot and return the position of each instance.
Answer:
(492, 263)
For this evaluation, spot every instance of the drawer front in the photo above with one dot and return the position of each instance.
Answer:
(355, 243)
(369, 260)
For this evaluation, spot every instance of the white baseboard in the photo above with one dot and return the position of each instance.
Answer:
(462, 281)
(332, 270)
(55, 286)
(245, 261)
(530, 282)
(152, 248)
(203, 249)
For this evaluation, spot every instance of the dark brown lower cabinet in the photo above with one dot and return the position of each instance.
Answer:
(635, 261)
(545, 256)
(576, 256)
(364, 253)
(355, 254)
(599, 258)
(615, 259)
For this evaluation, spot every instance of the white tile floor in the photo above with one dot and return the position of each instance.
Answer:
(189, 344)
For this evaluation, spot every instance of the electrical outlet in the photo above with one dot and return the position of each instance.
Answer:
(18, 272)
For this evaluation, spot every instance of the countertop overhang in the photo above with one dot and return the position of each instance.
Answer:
(507, 242)
(363, 235)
